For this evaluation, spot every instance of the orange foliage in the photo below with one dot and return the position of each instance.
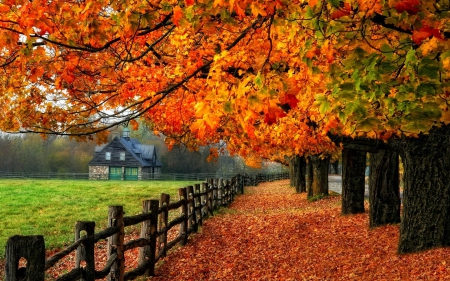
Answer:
(270, 78)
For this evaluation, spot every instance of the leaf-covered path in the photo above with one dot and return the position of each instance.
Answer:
(271, 233)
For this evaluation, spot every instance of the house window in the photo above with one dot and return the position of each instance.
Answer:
(108, 156)
(122, 156)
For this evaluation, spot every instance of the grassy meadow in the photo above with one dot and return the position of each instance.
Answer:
(52, 207)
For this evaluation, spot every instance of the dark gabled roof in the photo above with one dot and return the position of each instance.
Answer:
(146, 151)
(141, 152)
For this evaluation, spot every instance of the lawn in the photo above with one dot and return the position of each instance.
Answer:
(52, 207)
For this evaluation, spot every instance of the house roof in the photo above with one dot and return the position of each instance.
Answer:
(141, 152)
(146, 151)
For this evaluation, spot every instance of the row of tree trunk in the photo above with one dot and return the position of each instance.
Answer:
(425, 217)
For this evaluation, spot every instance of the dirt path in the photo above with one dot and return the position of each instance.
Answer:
(273, 234)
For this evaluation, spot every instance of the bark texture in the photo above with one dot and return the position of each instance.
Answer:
(426, 198)
(384, 190)
(298, 173)
(317, 175)
(32, 249)
(353, 181)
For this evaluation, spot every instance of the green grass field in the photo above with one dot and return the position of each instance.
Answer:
(52, 207)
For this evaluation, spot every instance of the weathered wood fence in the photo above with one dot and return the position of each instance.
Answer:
(195, 204)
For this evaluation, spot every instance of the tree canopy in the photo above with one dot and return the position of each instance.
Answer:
(262, 75)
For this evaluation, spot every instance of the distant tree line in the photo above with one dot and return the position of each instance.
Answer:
(30, 153)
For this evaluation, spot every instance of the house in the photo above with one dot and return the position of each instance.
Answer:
(124, 158)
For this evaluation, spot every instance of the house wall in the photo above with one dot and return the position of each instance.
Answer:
(99, 166)
(98, 172)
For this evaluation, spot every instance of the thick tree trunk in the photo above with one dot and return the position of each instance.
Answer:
(317, 176)
(309, 178)
(426, 198)
(291, 171)
(353, 181)
(384, 190)
(298, 174)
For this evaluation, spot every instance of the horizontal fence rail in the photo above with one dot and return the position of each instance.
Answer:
(97, 176)
(158, 234)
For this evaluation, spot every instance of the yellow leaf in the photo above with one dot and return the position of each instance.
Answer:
(200, 109)
(429, 46)
(446, 63)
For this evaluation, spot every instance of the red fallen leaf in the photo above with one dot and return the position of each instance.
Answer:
(425, 32)
(342, 12)
(189, 2)
(410, 6)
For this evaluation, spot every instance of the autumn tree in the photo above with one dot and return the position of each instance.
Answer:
(253, 73)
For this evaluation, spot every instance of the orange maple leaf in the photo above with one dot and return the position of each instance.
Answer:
(312, 53)
(273, 113)
(342, 12)
(425, 32)
(312, 3)
(239, 11)
(177, 15)
(410, 6)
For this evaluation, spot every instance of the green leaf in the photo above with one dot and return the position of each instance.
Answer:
(386, 48)
(411, 57)
(309, 13)
(426, 89)
(387, 67)
(324, 107)
(369, 124)
(228, 107)
(258, 80)
(356, 109)
(430, 68)
(347, 86)
(320, 97)
(334, 3)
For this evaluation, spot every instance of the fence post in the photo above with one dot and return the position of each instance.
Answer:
(148, 230)
(191, 208)
(198, 204)
(85, 252)
(225, 193)
(31, 248)
(182, 195)
(220, 192)
(115, 243)
(210, 196)
(216, 193)
(204, 201)
(163, 222)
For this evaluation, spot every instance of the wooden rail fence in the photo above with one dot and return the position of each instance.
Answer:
(195, 204)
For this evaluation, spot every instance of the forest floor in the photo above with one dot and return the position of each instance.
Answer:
(271, 233)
